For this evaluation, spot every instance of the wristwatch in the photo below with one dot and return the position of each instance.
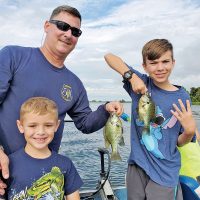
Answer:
(127, 75)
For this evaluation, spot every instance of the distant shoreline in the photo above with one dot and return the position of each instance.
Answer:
(123, 101)
(101, 101)
(196, 103)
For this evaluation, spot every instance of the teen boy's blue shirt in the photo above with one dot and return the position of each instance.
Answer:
(156, 152)
(25, 73)
(32, 178)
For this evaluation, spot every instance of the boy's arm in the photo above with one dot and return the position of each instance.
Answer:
(74, 196)
(185, 117)
(119, 66)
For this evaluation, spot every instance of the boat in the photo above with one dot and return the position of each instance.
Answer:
(105, 191)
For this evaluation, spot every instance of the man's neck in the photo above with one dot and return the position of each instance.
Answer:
(57, 61)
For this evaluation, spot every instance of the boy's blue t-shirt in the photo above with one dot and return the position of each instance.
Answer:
(156, 152)
(49, 178)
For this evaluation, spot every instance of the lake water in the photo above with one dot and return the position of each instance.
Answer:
(82, 149)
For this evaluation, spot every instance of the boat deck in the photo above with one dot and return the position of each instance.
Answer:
(120, 193)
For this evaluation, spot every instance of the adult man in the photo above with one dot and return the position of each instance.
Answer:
(27, 72)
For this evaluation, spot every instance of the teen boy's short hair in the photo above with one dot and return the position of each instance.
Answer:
(40, 106)
(154, 49)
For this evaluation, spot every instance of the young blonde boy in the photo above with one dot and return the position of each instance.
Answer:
(37, 172)
(154, 161)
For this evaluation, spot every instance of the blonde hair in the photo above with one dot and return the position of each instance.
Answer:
(155, 48)
(40, 106)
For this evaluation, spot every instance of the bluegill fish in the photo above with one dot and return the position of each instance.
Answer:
(113, 135)
(146, 111)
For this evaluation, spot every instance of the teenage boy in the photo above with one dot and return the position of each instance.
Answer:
(154, 162)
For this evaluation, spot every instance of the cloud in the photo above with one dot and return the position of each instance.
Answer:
(120, 27)
(129, 27)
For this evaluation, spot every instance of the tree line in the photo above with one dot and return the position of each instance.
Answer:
(195, 95)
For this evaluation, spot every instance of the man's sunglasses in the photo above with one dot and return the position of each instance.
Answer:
(63, 26)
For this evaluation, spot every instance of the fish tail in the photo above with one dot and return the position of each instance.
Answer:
(115, 156)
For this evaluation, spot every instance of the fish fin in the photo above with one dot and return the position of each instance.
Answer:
(121, 142)
(118, 124)
(107, 144)
(115, 156)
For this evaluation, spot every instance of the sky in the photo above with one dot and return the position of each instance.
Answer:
(121, 27)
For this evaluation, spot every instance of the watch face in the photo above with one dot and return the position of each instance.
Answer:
(128, 75)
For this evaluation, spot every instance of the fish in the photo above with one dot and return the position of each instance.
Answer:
(146, 111)
(113, 135)
(51, 185)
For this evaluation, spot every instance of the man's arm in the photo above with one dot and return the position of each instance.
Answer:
(5, 80)
(117, 64)
(6, 72)
(86, 120)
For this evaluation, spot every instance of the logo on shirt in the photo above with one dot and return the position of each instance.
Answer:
(49, 186)
(150, 140)
(66, 92)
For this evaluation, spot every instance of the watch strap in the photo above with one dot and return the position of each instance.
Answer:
(128, 75)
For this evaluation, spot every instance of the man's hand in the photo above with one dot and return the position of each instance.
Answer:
(138, 85)
(4, 162)
(2, 187)
(114, 106)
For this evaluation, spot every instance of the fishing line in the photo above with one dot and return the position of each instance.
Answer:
(89, 197)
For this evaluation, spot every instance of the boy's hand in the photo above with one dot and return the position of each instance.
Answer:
(185, 117)
(114, 106)
(138, 85)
